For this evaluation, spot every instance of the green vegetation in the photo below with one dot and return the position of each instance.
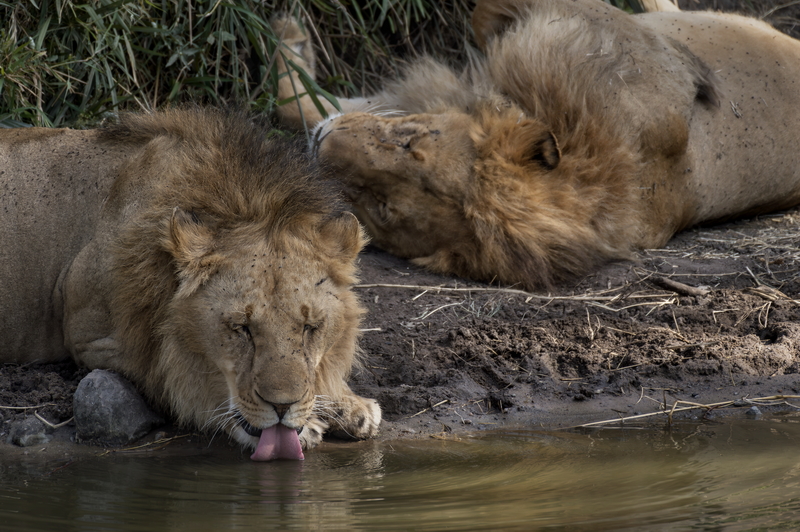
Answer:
(70, 63)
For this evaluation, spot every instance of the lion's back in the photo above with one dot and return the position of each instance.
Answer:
(52, 185)
(744, 152)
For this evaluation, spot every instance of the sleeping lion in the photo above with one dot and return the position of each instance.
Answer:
(582, 135)
(210, 266)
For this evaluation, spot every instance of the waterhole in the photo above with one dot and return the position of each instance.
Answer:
(732, 475)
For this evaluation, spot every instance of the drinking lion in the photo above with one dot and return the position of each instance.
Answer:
(210, 265)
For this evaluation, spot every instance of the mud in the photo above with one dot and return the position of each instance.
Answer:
(48, 387)
(617, 344)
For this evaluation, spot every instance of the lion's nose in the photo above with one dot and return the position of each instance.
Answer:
(281, 409)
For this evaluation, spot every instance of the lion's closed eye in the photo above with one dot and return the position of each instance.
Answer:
(311, 333)
(384, 212)
(242, 330)
(310, 329)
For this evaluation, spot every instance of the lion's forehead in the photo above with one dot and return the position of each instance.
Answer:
(303, 297)
(268, 284)
(265, 267)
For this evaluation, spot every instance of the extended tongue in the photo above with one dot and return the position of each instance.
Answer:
(278, 441)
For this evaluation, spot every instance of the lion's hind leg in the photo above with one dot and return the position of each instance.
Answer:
(492, 17)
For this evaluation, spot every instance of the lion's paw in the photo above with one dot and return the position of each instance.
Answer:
(358, 420)
(312, 433)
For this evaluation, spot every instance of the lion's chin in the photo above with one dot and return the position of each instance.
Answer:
(274, 443)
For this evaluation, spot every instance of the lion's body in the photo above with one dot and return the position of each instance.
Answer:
(741, 154)
(210, 266)
(36, 248)
(584, 134)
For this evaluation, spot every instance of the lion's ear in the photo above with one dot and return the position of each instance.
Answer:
(343, 235)
(548, 152)
(531, 143)
(191, 244)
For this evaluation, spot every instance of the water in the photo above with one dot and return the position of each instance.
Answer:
(736, 475)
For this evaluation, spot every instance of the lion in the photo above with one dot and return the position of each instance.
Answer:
(582, 135)
(197, 255)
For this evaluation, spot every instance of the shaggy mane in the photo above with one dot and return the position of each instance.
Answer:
(229, 174)
(217, 167)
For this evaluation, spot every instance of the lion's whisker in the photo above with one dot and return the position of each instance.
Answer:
(388, 112)
(223, 415)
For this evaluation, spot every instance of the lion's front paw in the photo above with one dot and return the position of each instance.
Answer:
(312, 433)
(358, 419)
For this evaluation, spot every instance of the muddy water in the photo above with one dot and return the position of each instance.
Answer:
(734, 475)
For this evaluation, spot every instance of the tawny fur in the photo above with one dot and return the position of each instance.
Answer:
(583, 134)
(215, 274)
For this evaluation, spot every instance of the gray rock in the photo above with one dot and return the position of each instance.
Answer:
(29, 431)
(753, 412)
(108, 410)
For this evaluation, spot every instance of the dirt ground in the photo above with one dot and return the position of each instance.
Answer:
(712, 318)
(623, 342)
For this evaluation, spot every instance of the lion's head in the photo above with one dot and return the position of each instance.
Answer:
(455, 191)
(273, 319)
(231, 292)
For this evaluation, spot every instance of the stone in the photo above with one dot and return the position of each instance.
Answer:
(108, 410)
(29, 431)
(753, 412)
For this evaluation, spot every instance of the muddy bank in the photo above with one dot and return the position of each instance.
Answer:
(711, 318)
(723, 327)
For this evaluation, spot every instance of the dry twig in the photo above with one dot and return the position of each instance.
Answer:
(594, 299)
(26, 407)
(52, 425)
(147, 447)
(678, 287)
(431, 407)
(772, 400)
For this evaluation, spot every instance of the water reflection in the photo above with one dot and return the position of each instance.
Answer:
(732, 476)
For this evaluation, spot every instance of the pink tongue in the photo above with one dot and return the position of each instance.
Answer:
(278, 441)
